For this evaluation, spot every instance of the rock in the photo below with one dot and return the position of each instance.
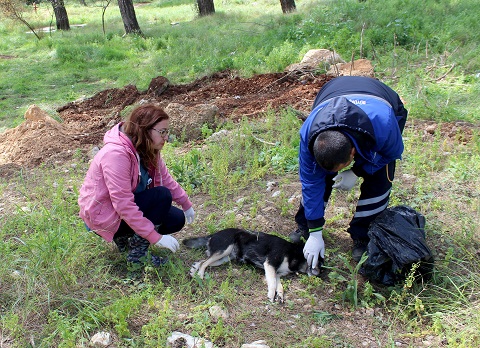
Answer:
(431, 129)
(276, 193)
(217, 312)
(187, 341)
(256, 344)
(314, 58)
(101, 339)
(187, 122)
(217, 136)
(294, 199)
(158, 85)
(271, 185)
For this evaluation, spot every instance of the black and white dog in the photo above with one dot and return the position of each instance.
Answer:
(275, 255)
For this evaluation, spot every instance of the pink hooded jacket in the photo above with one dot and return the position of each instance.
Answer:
(106, 196)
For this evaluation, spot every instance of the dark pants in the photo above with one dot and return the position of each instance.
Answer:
(374, 197)
(156, 205)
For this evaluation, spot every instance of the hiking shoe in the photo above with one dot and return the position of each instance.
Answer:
(296, 236)
(359, 247)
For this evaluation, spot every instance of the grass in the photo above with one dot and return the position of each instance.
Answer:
(430, 54)
(60, 285)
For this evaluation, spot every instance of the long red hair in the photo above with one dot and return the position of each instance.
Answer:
(137, 127)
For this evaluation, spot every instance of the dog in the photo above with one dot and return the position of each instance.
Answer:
(277, 256)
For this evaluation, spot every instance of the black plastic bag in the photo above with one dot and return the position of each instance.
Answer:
(397, 240)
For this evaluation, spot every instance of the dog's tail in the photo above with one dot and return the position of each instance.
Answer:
(198, 242)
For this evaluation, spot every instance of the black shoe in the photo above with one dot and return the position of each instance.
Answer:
(296, 236)
(121, 242)
(359, 247)
(155, 260)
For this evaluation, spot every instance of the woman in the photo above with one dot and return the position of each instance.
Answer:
(128, 192)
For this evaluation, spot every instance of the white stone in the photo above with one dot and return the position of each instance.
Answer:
(218, 312)
(256, 344)
(191, 342)
(276, 193)
(101, 339)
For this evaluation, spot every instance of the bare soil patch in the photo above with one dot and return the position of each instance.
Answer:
(84, 122)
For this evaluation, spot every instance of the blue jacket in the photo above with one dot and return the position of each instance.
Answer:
(370, 114)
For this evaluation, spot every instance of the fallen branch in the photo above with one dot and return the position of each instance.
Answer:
(444, 75)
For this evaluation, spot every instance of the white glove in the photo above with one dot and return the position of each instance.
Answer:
(345, 180)
(168, 242)
(313, 247)
(189, 215)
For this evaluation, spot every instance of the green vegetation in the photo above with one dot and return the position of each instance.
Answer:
(428, 52)
(59, 284)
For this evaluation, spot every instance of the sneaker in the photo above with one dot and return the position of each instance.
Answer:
(296, 236)
(359, 247)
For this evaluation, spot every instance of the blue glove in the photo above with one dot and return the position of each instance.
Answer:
(189, 215)
(314, 247)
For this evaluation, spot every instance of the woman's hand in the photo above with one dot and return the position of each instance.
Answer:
(189, 215)
(168, 242)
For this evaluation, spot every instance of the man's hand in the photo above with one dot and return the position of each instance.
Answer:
(314, 247)
(189, 215)
(168, 242)
(345, 180)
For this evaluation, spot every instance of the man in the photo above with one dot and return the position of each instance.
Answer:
(355, 120)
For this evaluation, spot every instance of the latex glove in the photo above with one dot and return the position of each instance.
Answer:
(345, 180)
(168, 242)
(314, 247)
(189, 215)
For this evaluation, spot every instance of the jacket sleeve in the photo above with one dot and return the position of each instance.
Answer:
(179, 195)
(312, 178)
(117, 174)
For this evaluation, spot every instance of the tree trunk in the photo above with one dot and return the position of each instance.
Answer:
(129, 18)
(61, 16)
(205, 7)
(288, 6)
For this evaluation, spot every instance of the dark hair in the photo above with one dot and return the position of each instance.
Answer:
(137, 127)
(332, 148)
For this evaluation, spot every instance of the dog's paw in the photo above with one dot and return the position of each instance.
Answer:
(279, 298)
(195, 267)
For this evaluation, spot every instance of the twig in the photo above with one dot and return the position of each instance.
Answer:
(351, 62)
(263, 141)
(443, 76)
(361, 40)
(281, 78)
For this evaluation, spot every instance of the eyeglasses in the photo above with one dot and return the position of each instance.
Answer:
(163, 132)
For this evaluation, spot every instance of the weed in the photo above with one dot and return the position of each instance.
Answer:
(350, 278)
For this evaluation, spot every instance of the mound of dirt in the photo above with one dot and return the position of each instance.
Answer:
(211, 99)
(84, 122)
